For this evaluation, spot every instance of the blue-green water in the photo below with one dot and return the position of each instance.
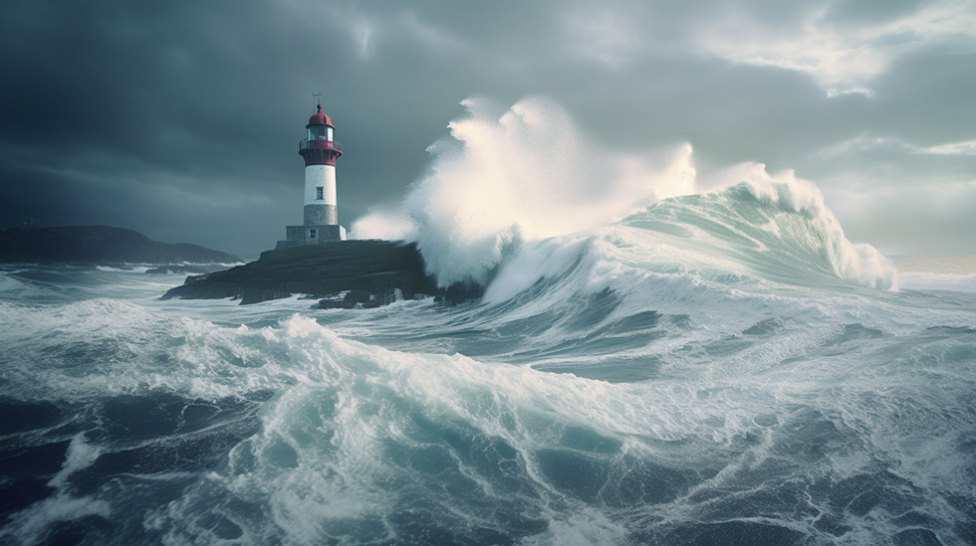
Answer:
(716, 369)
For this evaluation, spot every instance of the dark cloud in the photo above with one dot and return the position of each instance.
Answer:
(181, 119)
(858, 12)
(927, 97)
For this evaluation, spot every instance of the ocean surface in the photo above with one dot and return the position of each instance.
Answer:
(663, 356)
(720, 368)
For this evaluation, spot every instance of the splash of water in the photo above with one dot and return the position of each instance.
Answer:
(526, 175)
(500, 182)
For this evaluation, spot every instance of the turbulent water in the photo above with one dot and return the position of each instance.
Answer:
(714, 368)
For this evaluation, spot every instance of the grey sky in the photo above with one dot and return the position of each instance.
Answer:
(181, 119)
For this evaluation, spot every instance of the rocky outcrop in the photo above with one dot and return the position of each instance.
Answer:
(344, 274)
(98, 245)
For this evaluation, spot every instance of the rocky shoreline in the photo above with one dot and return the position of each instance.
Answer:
(346, 274)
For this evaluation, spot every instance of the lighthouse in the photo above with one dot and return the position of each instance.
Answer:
(321, 214)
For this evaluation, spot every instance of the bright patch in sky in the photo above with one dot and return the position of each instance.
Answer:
(843, 59)
(865, 142)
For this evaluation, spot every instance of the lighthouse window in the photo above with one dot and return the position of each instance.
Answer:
(320, 132)
(312, 233)
(318, 193)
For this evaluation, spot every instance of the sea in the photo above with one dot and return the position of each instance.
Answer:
(718, 367)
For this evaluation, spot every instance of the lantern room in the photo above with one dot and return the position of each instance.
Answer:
(320, 126)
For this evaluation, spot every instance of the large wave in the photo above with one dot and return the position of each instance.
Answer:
(523, 176)
(530, 175)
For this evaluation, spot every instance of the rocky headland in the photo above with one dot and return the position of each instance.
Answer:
(346, 274)
(99, 245)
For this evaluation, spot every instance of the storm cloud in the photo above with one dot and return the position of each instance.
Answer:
(181, 119)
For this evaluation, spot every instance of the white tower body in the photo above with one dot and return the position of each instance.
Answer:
(320, 176)
(321, 207)
(321, 211)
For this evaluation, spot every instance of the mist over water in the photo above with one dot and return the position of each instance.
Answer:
(662, 356)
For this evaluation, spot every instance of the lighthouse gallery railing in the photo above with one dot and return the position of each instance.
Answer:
(319, 144)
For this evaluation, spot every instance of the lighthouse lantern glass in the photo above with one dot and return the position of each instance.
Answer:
(320, 132)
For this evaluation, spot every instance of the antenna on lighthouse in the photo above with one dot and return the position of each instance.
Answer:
(316, 100)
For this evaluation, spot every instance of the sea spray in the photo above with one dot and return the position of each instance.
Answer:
(500, 184)
(524, 176)
(764, 228)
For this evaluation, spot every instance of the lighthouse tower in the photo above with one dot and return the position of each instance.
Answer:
(321, 216)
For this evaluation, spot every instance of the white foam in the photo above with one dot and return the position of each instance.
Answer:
(132, 269)
(935, 281)
(585, 528)
(522, 176)
(31, 524)
(392, 225)
(80, 455)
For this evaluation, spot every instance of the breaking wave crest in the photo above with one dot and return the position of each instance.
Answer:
(525, 175)
(503, 183)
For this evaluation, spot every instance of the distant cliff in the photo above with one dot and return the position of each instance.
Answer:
(98, 245)
(345, 274)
